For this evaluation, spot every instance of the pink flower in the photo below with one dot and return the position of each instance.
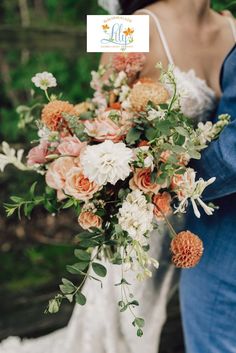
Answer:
(88, 219)
(130, 63)
(71, 146)
(162, 205)
(37, 155)
(110, 125)
(56, 174)
(142, 181)
(78, 186)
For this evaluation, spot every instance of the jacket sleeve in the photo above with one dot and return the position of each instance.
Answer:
(219, 160)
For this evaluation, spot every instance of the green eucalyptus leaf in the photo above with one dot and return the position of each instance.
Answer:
(99, 269)
(82, 255)
(80, 298)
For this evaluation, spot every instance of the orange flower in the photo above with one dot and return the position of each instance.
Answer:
(52, 114)
(141, 93)
(88, 219)
(162, 205)
(142, 180)
(128, 31)
(78, 186)
(105, 27)
(187, 249)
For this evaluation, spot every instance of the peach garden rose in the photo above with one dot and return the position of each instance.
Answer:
(78, 186)
(142, 180)
(56, 174)
(88, 219)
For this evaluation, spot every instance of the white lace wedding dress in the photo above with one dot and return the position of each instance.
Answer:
(99, 326)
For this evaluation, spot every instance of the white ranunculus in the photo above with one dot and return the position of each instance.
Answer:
(136, 216)
(44, 80)
(107, 162)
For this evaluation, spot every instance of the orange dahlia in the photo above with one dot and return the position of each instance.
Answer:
(52, 114)
(187, 249)
(141, 93)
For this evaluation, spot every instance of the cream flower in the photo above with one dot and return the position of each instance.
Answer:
(136, 216)
(107, 162)
(190, 189)
(44, 80)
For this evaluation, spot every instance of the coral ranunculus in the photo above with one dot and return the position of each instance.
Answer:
(187, 249)
(88, 219)
(78, 186)
(52, 114)
(142, 180)
(162, 205)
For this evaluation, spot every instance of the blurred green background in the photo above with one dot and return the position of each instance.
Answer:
(38, 35)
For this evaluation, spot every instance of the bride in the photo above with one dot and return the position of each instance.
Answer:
(195, 40)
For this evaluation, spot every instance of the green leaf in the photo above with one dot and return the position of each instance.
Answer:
(16, 199)
(77, 268)
(182, 131)
(80, 298)
(69, 203)
(82, 255)
(139, 332)
(150, 133)
(32, 189)
(133, 135)
(99, 269)
(66, 289)
(138, 322)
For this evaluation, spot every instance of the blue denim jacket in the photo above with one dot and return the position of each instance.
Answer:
(218, 232)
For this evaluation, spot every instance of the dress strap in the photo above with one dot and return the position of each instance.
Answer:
(233, 26)
(161, 34)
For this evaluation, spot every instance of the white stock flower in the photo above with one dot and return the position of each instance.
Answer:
(190, 189)
(44, 80)
(120, 79)
(155, 114)
(11, 156)
(107, 162)
(124, 92)
(205, 132)
(136, 216)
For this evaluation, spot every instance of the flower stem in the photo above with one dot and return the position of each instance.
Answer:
(173, 232)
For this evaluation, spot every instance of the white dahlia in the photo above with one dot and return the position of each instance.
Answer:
(136, 216)
(107, 162)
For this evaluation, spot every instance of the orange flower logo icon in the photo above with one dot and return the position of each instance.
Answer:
(105, 27)
(128, 31)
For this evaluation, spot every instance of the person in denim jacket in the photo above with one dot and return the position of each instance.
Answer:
(208, 291)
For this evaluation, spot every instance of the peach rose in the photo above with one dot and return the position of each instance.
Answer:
(88, 219)
(142, 180)
(70, 145)
(37, 155)
(104, 128)
(162, 205)
(56, 174)
(78, 186)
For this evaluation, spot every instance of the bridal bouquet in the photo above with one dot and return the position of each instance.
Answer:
(120, 160)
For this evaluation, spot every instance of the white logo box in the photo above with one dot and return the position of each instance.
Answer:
(117, 33)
